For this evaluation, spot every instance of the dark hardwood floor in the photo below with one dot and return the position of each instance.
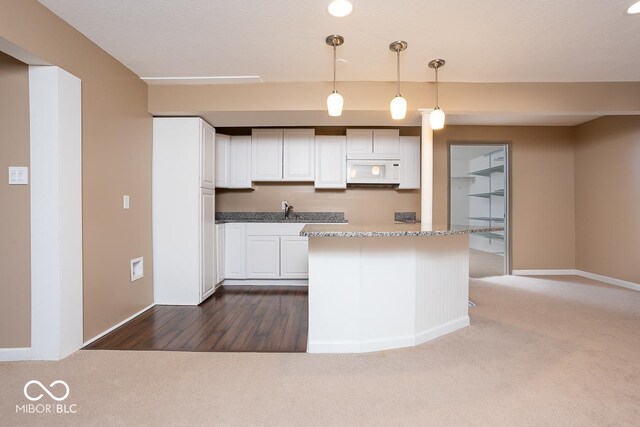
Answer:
(238, 318)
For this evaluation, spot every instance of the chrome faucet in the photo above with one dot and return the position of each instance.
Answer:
(287, 210)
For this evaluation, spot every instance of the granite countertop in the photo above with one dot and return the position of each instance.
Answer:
(278, 217)
(392, 230)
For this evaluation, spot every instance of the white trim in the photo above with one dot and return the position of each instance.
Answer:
(265, 282)
(15, 354)
(116, 326)
(388, 343)
(440, 330)
(55, 115)
(609, 280)
(605, 279)
(568, 272)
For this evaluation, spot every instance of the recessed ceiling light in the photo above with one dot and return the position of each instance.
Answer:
(340, 8)
(634, 8)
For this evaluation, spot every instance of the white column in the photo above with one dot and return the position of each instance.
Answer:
(426, 167)
(56, 212)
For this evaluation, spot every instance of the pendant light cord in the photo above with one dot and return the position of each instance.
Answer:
(398, 69)
(437, 90)
(334, 68)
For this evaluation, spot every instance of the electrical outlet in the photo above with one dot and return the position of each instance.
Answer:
(284, 205)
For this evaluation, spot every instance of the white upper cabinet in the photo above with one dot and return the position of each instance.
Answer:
(240, 162)
(223, 170)
(299, 155)
(331, 162)
(207, 156)
(266, 154)
(410, 162)
(282, 155)
(386, 142)
(359, 141)
(373, 144)
(233, 161)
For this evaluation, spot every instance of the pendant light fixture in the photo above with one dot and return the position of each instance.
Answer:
(398, 104)
(335, 100)
(436, 118)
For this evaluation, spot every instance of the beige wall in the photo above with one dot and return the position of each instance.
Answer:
(542, 190)
(361, 205)
(15, 240)
(608, 197)
(117, 132)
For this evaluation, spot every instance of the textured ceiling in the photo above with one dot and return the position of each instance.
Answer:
(482, 41)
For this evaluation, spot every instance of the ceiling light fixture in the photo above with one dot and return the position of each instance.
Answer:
(335, 100)
(436, 118)
(634, 8)
(398, 104)
(340, 8)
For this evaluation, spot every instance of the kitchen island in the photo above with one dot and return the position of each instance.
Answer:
(389, 286)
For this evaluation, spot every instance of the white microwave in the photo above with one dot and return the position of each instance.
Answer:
(373, 171)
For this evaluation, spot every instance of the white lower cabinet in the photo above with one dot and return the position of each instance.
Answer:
(235, 248)
(220, 253)
(263, 257)
(294, 257)
(207, 242)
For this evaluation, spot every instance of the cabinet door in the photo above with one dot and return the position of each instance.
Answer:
(220, 253)
(266, 155)
(235, 251)
(207, 243)
(359, 141)
(409, 162)
(263, 257)
(298, 154)
(386, 142)
(240, 163)
(207, 156)
(331, 162)
(294, 257)
(222, 170)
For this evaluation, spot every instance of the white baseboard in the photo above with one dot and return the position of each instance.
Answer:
(610, 280)
(265, 282)
(567, 272)
(100, 335)
(387, 343)
(440, 330)
(15, 354)
(605, 279)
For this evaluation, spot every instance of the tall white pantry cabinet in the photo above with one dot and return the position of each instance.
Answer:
(183, 191)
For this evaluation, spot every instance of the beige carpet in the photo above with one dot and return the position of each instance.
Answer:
(540, 352)
(485, 264)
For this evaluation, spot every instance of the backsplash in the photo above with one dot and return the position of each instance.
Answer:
(360, 205)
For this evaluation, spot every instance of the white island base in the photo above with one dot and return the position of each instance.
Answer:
(379, 293)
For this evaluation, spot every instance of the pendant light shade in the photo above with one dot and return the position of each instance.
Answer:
(334, 104)
(437, 116)
(398, 108)
(334, 100)
(398, 104)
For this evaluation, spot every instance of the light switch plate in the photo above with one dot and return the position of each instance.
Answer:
(125, 202)
(18, 175)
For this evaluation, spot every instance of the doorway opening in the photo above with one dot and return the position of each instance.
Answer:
(479, 196)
